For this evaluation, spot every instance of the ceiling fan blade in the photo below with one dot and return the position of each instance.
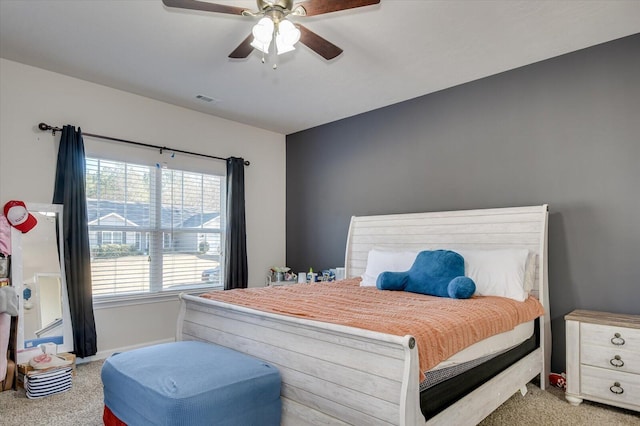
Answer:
(321, 46)
(201, 5)
(318, 7)
(244, 49)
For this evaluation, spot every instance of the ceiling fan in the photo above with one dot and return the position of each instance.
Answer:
(274, 24)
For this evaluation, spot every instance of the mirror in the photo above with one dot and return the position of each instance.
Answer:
(37, 271)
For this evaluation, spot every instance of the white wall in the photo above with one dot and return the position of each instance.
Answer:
(31, 95)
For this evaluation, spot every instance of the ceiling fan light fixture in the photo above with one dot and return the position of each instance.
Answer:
(264, 48)
(263, 31)
(282, 47)
(263, 34)
(287, 35)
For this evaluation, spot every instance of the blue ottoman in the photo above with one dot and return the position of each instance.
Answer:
(191, 383)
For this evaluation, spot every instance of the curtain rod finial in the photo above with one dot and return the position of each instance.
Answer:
(45, 128)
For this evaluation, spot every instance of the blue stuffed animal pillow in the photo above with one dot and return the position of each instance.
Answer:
(434, 272)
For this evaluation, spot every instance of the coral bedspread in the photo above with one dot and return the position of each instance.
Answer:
(441, 326)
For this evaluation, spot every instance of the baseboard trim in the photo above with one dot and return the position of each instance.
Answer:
(100, 355)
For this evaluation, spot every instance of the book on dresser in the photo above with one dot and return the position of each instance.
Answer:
(603, 358)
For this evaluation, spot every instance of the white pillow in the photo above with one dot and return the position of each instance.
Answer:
(498, 272)
(380, 260)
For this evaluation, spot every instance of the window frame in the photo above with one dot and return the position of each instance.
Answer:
(156, 293)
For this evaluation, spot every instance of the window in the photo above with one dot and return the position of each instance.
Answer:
(152, 229)
(111, 237)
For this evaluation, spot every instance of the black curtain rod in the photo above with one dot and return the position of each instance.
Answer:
(45, 128)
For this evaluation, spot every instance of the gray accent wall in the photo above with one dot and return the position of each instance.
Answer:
(565, 131)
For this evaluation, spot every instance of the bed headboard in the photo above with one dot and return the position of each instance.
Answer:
(513, 227)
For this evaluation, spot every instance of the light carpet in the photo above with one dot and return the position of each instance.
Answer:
(82, 406)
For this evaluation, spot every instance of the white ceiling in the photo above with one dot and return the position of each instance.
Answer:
(394, 51)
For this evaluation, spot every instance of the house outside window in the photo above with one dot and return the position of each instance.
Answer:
(153, 230)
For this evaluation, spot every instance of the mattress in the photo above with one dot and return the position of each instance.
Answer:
(493, 345)
(437, 397)
(477, 354)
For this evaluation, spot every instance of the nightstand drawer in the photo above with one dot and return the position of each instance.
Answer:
(610, 336)
(610, 358)
(614, 386)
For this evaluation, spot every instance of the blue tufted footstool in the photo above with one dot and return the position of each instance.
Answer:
(190, 383)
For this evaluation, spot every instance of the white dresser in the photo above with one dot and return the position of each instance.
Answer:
(603, 358)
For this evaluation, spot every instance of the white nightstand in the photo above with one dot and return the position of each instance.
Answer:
(603, 358)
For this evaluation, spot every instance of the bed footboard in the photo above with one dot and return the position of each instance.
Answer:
(331, 374)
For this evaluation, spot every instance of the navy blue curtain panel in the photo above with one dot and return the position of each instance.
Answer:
(69, 191)
(236, 270)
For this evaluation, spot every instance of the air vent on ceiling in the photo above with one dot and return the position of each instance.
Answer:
(204, 98)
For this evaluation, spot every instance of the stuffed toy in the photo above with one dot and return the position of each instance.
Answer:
(558, 380)
(436, 273)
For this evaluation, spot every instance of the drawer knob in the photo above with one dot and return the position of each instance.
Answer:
(616, 388)
(616, 361)
(617, 340)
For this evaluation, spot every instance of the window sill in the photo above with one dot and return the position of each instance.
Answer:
(107, 302)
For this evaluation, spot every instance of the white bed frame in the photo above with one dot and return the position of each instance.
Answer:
(338, 375)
